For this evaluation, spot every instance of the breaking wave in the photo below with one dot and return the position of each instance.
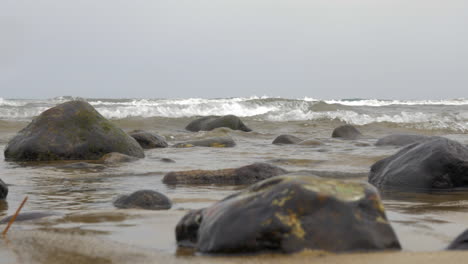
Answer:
(427, 114)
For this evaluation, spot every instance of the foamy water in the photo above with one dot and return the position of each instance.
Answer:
(423, 114)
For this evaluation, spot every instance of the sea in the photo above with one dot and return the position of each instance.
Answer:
(80, 200)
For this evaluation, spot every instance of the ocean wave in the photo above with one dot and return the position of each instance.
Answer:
(431, 114)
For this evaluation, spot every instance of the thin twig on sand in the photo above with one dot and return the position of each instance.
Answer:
(13, 218)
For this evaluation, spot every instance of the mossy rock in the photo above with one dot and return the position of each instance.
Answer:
(70, 131)
(209, 123)
(288, 214)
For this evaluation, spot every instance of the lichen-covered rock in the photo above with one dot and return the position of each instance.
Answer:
(3, 190)
(70, 131)
(289, 214)
(209, 123)
(115, 157)
(215, 142)
(438, 163)
(144, 199)
(401, 140)
(346, 132)
(460, 243)
(286, 139)
(244, 175)
(148, 140)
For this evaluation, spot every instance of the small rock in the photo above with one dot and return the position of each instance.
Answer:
(148, 140)
(211, 122)
(144, 199)
(460, 243)
(346, 132)
(114, 157)
(216, 142)
(286, 139)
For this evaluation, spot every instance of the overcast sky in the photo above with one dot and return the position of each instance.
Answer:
(394, 49)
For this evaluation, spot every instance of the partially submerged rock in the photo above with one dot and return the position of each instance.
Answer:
(310, 142)
(243, 175)
(82, 165)
(148, 140)
(286, 139)
(115, 157)
(3, 190)
(401, 140)
(438, 163)
(70, 131)
(211, 122)
(27, 216)
(144, 199)
(346, 132)
(215, 142)
(460, 243)
(288, 214)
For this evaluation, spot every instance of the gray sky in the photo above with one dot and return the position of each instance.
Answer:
(395, 49)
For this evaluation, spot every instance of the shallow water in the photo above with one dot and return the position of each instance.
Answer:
(81, 199)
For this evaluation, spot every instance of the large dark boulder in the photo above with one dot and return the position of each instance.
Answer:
(289, 214)
(460, 243)
(70, 131)
(209, 123)
(148, 140)
(216, 142)
(3, 190)
(401, 140)
(438, 163)
(286, 139)
(346, 132)
(244, 175)
(144, 199)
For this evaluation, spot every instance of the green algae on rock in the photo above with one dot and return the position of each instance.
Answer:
(291, 213)
(70, 131)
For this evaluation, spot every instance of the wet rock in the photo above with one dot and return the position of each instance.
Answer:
(3, 190)
(27, 216)
(243, 175)
(70, 131)
(346, 132)
(288, 214)
(211, 122)
(115, 157)
(167, 160)
(286, 139)
(82, 165)
(148, 140)
(216, 142)
(438, 163)
(310, 142)
(297, 162)
(460, 243)
(401, 140)
(144, 199)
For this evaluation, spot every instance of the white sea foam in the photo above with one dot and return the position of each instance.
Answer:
(452, 114)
